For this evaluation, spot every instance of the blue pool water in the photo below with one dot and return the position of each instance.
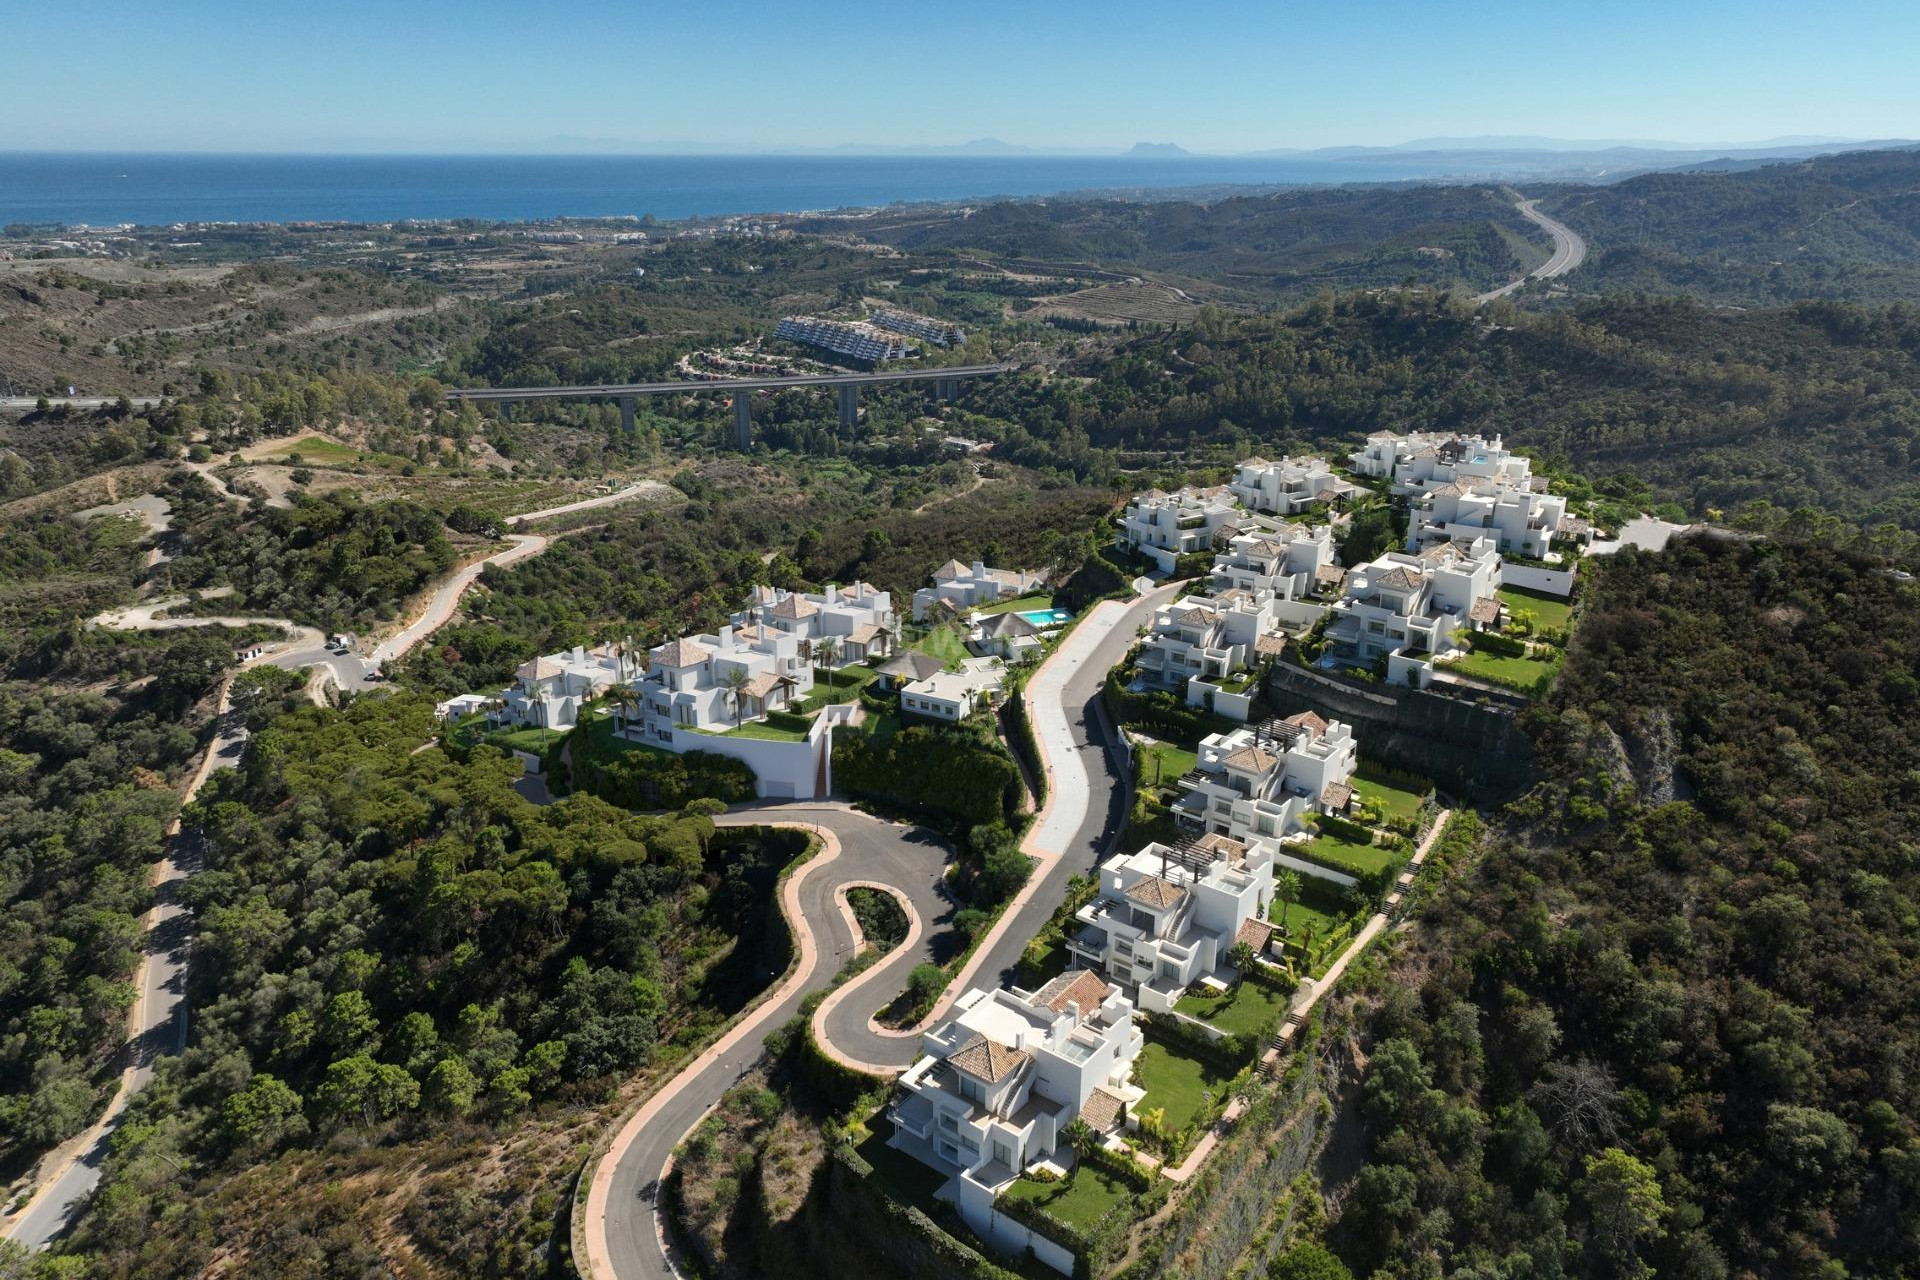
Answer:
(1048, 617)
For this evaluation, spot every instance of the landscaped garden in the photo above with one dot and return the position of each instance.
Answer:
(1524, 675)
(1247, 1008)
(1161, 763)
(1185, 1087)
(1079, 1201)
(779, 726)
(1548, 611)
(1394, 798)
(532, 740)
(1318, 908)
(831, 687)
(902, 1176)
(947, 642)
(1024, 604)
(1346, 855)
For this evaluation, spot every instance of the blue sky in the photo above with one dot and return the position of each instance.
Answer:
(429, 75)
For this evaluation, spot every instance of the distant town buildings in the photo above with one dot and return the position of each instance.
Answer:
(851, 339)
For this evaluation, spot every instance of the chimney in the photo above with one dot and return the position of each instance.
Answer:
(979, 569)
(579, 654)
(1073, 1010)
(726, 636)
(1020, 1040)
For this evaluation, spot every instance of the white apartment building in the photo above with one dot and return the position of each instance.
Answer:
(843, 338)
(690, 682)
(857, 620)
(1205, 648)
(1286, 487)
(1287, 565)
(968, 586)
(1166, 917)
(1260, 785)
(1164, 526)
(1422, 460)
(1407, 607)
(1000, 1080)
(940, 333)
(1520, 521)
(549, 691)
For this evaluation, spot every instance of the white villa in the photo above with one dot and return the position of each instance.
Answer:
(549, 691)
(1001, 1079)
(954, 695)
(1520, 521)
(1167, 917)
(1005, 635)
(967, 586)
(1205, 648)
(1421, 460)
(1407, 607)
(1259, 786)
(707, 681)
(1285, 564)
(1164, 526)
(855, 621)
(1286, 487)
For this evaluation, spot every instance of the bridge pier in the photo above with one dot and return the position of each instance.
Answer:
(849, 406)
(743, 421)
(946, 389)
(626, 414)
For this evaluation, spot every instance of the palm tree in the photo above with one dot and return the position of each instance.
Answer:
(736, 681)
(1287, 886)
(1241, 956)
(623, 697)
(1081, 1139)
(539, 699)
(824, 650)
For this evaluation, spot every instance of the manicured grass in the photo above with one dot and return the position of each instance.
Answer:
(1548, 611)
(1176, 1082)
(1078, 1202)
(1022, 604)
(1248, 1009)
(1395, 799)
(832, 687)
(947, 643)
(1321, 911)
(1052, 960)
(759, 729)
(533, 741)
(1345, 855)
(903, 1177)
(1523, 675)
(1163, 762)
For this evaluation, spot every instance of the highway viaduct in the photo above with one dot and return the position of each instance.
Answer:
(946, 385)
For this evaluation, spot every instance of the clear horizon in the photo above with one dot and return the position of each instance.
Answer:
(592, 77)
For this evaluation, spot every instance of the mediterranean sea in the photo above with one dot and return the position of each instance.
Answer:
(104, 189)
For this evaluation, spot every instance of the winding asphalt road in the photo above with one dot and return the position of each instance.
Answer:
(1569, 251)
(1088, 795)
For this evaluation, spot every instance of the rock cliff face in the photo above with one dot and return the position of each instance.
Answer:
(1474, 749)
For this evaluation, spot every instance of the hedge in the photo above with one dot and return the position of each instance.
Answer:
(1021, 736)
(1167, 716)
(943, 769)
(1501, 646)
(1273, 979)
(1343, 828)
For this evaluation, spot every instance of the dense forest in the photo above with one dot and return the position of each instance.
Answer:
(397, 948)
(1845, 227)
(1668, 1026)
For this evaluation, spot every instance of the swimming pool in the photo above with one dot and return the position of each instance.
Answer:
(1048, 617)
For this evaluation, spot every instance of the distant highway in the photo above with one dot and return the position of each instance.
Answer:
(616, 391)
(1569, 251)
(27, 404)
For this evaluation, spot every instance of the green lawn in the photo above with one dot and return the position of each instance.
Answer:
(1395, 799)
(1248, 1009)
(1345, 855)
(329, 453)
(1078, 1202)
(532, 741)
(947, 643)
(903, 1177)
(1523, 675)
(759, 729)
(1163, 762)
(1548, 611)
(1176, 1082)
(1320, 910)
(1022, 604)
(831, 687)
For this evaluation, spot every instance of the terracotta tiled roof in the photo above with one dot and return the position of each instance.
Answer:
(865, 633)
(681, 653)
(763, 684)
(1256, 933)
(1329, 573)
(1252, 759)
(1446, 491)
(1307, 720)
(1007, 624)
(1269, 646)
(1152, 891)
(1226, 846)
(1485, 610)
(1398, 577)
(911, 665)
(987, 1059)
(794, 607)
(949, 571)
(749, 634)
(1103, 1111)
(1081, 986)
(538, 669)
(1338, 795)
(1194, 616)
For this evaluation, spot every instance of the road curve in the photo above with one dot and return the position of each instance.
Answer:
(1088, 796)
(1569, 251)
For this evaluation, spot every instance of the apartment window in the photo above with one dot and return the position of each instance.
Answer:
(1376, 628)
(972, 1090)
